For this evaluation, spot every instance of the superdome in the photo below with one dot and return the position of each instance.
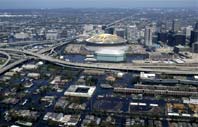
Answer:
(106, 39)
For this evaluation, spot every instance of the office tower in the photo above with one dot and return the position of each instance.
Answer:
(104, 27)
(163, 27)
(148, 36)
(176, 39)
(109, 30)
(194, 37)
(163, 37)
(121, 32)
(179, 39)
(132, 33)
(52, 35)
(188, 30)
(195, 47)
(196, 26)
(175, 25)
(88, 27)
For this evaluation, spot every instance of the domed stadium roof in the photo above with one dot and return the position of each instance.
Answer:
(106, 39)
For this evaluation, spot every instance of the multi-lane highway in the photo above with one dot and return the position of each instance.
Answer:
(8, 59)
(184, 69)
(174, 69)
(26, 52)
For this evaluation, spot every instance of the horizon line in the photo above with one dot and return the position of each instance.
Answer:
(193, 7)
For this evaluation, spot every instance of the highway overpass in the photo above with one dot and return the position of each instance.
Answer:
(8, 58)
(117, 66)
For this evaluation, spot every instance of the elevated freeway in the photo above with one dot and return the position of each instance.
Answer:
(26, 52)
(122, 67)
(117, 66)
(12, 65)
(160, 68)
(8, 59)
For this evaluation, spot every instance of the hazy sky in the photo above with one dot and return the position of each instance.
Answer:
(10, 4)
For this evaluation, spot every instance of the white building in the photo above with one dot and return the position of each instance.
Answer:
(30, 66)
(132, 33)
(52, 35)
(33, 75)
(80, 91)
(21, 36)
(110, 55)
(188, 30)
(146, 76)
(191, 100)
(175, 25)
(88, 27)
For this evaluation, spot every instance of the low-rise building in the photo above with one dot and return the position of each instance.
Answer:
(33, 75)
(61, 119)
(80, 91)
(30, 67)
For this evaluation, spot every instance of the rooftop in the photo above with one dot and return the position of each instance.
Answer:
(80, 91)
(106, 39)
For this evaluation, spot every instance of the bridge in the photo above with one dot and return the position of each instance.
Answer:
(117, 21)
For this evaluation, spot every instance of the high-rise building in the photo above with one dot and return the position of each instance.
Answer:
(52, 35)
(88, 27)
(163, 27)
(148, 41)
(195, 47)
(194, 37)
(104, 27)
(121, 32)
(188, 30)
(179, 39)
(176, 39)
(175, 25)
(132, 33)
(196, 26)
(163, 37)
(109, 30)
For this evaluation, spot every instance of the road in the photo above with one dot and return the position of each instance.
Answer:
(12, 65)
(18, 62)
(8, 59)
(160, 68)
(118, 21)
(174, 69)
